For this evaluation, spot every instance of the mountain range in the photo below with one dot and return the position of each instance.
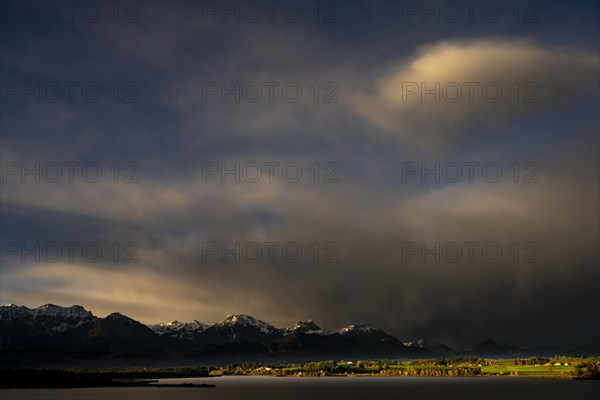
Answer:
(51, 335)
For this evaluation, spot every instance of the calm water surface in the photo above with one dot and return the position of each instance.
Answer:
(331, 388)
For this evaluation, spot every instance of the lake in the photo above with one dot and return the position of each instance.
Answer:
(331, 388)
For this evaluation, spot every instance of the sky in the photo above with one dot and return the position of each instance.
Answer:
(430, 168)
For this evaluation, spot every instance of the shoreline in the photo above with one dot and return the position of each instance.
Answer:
(155, 382)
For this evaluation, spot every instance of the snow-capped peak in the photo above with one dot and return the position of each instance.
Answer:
(359, 328)
(58, 311)
(179, 329)
(234, 320)
(12, 311)
(308, 327)
(50, 310)
(54, 319)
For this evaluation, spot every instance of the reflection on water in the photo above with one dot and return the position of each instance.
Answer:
(331, 388)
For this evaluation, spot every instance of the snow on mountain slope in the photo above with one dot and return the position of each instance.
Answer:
(53, 319)
(360, 329)
(180, 330)
(246, 321)
(308, 327)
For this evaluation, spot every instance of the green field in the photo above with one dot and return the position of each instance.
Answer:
(505, 367)
(569, 368)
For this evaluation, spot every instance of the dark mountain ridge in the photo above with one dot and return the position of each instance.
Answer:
(52, 335)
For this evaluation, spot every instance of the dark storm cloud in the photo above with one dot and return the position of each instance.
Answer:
(173, 211)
